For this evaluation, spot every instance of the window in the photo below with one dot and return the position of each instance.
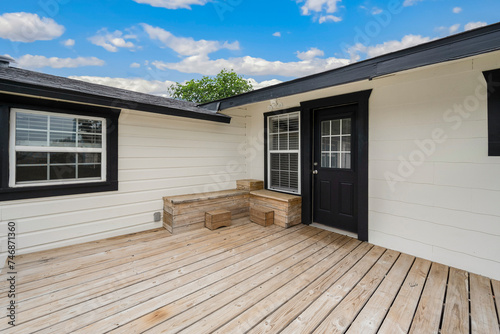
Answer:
(493, 82)
(49, 148)
(56, 148)
(283, 156)
(336, 143)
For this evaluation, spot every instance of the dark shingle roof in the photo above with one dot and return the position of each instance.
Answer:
(16, 80)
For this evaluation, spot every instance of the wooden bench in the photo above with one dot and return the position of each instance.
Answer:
(287, 208)
(187, 212)
(217, 218)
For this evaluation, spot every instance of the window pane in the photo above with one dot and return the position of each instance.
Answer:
(87, 171)
(89, 158)
(294, 162)
(325, 160)
(62, 158)
(275, 179)
(31, 138)
(31, 158)
(325, 128)
(283, 124)
(274, 144)
(294, 123)
(346, 160)
(335, 144)
(325, 144)
(335, 160)
(62, 172)
(62, 139)
(336, 127)
(31, 173)
(294, 141)
(31, 121)
(93, 141)
(346, 126)
(346, 143)
(89, 126)
(285, 180)
(284, 162)
(275, 161)
(283, 142)
(62, 124)
(273, 128)
(294, 180)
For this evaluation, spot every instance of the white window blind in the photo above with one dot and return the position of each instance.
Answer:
(284, 152)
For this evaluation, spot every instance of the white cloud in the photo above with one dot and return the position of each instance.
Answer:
(135, 65)
(27, 27)
(154, 87)
(457, 10)
(258, 85)
(474, 25)
(187, 46)
(449, 30)
(321, 9)
(377, 11)
(252, 66)
(407, 41)
(277, 34)
(173, 4)
(327, 18)
(69, 42)
(409, 3)
(112, 41)
(310, 54)
(30, 61)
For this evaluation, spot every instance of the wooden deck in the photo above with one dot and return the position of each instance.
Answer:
(246, 279)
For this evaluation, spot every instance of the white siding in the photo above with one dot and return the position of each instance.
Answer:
(158, 156)
(448, 208)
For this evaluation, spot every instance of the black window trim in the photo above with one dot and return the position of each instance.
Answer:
(7, 102)
(266, 132)
(493, 84)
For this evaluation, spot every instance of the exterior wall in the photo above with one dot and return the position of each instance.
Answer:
(158, 156)
(445, 205)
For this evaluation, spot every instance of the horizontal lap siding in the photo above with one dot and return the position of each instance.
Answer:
(446, 208)
(158, 156)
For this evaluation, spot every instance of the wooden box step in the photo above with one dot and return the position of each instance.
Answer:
(262, 216)
(217, 218)
(250, 184)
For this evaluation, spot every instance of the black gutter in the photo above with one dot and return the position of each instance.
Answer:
(459, 46)
(61, 94)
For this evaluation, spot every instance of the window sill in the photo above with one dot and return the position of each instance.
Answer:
(11, 194)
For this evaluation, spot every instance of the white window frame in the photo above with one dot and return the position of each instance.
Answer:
(270, 151)
(13, 149)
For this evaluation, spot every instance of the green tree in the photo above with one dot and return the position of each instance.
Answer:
(208, 89)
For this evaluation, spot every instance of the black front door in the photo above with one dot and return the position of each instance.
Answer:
(335, 164)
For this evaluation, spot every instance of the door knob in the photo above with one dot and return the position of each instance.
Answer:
(315, 172)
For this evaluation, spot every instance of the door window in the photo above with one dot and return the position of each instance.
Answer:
(336, 143)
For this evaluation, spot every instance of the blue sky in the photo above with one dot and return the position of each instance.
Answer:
(146, 45)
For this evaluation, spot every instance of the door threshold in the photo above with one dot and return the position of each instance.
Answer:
(336, 230)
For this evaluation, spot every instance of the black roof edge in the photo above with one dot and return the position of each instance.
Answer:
(67, 95)
(455, 47)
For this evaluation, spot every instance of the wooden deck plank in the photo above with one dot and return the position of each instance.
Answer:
(246, 278)
(482, 307)
(312, 317)
(342, 316)
(218, 258)
(428, 316)
(172, 251)
(137, 304)
(251, 301)
(373, 313)
(496, 291)
(400, 315)
(186, 310)
(456, 308)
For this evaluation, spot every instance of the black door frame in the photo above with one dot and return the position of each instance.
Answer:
(361, 100)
